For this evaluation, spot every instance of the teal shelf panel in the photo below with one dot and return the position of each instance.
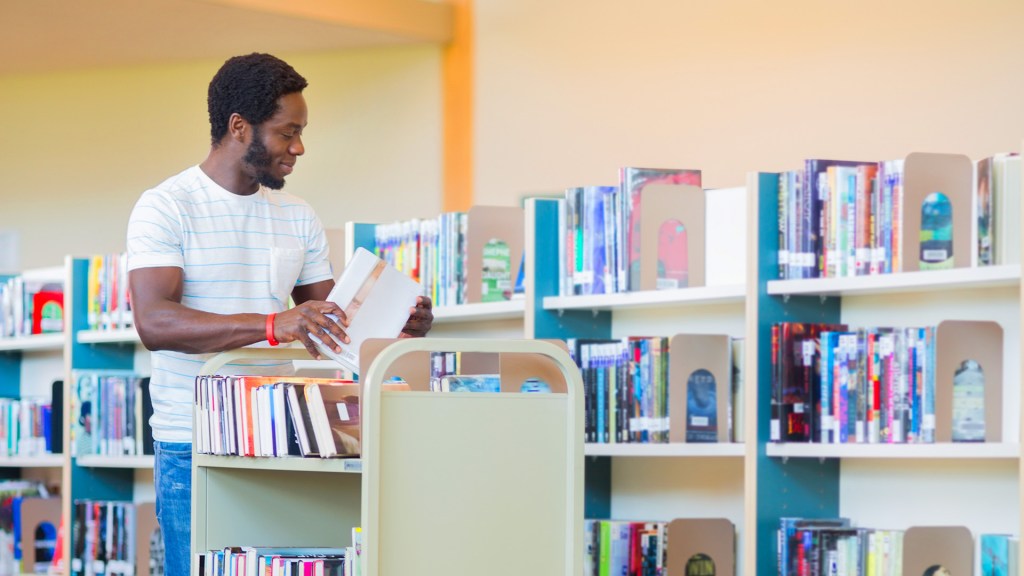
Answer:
(597, 475)
(120, 356)
(795, 486)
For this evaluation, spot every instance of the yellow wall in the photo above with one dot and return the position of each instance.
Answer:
(566, 92)
(77, 148)
(569, 91)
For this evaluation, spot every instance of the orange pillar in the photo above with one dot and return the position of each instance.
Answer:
(457, 192)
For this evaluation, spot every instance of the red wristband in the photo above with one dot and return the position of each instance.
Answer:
(270, 329)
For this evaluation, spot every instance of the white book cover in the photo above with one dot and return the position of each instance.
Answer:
(376, 299)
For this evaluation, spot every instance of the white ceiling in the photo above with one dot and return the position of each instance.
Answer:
(51, 35)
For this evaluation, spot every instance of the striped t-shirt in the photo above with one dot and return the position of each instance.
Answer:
(238, 254)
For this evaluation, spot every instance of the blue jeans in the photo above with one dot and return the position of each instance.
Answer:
(172, 474)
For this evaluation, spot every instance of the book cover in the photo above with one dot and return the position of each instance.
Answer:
(376, 299)
(995, 554)
(47, 312)
(334, 412)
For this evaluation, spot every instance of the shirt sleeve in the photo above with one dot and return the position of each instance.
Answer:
(155, 233)
(317, 264)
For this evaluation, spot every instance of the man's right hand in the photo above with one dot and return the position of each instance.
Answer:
(310, 319)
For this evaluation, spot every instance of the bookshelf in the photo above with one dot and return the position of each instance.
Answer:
(885, 486)
(421, 478)
(640, 481)
(503, 319)
(29, 365)
(94, 477)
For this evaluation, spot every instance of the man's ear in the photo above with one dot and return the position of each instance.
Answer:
(239, 128)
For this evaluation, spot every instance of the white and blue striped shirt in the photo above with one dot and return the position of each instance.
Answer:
(238, 254)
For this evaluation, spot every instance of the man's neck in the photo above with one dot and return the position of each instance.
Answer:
(227, 172)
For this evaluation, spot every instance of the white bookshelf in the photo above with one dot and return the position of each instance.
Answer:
(480, 312)
(883, 284)
(41, 461)
(119, 336)
(941, 451)
(34, 343)
(697, 296)
(678, 450)
(297, 464)
(140, 462)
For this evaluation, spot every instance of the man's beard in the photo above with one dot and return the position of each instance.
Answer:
(258, 157)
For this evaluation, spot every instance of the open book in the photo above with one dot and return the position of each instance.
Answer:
(376, 298)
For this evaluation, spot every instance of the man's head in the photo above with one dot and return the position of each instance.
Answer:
(258, 98)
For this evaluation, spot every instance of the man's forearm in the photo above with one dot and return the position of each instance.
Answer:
(172, 326)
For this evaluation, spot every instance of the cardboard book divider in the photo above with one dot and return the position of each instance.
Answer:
(951, 175)
(959, 341)
(145, 527)
(928, 548)
(34, 512)
(661, 204)
(701, 540)
(688, 354)
(486, 223)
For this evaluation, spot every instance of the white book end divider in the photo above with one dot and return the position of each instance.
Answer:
(463, 484)
(458, 484)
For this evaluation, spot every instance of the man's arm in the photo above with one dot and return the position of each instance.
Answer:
(164, 323)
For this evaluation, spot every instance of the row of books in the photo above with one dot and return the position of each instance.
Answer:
(810, 546)
(26, 427)
(842, 218)
(682, 546)
(430, 251)
(107, 297)
(835, 384)
(111, 410)
(277, 416)
(283, 561)
(30, 306)
(600, 235)
(659, 390)
(114, 539)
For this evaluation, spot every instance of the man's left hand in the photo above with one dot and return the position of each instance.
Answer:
(421, 318)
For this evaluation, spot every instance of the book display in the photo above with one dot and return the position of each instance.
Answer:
(861, 371)
(954, 330)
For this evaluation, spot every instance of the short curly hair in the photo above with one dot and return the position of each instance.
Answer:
(249, 85)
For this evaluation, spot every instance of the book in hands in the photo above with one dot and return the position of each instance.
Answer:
(376, 299)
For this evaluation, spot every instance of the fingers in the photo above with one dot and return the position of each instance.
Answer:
(324, 321)
(421, 318)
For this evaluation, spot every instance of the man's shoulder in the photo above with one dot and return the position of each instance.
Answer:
(182, 183)
(282, 199)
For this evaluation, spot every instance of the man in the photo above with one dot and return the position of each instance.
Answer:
(213, 255)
